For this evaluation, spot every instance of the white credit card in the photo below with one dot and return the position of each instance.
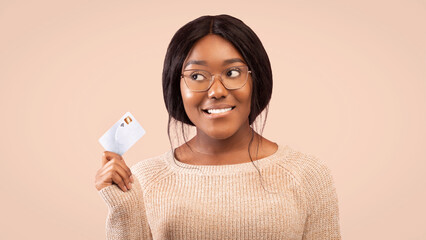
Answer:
(124, 134)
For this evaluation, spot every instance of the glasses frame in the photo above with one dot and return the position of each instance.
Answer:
(182, 75)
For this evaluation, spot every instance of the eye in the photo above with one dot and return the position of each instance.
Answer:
(233, 73)
(198, 76)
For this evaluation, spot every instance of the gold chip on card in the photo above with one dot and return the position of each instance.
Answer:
(128, 120)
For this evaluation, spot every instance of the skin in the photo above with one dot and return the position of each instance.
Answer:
(222, 140)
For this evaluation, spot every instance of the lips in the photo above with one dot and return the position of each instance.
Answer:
(206, 110)
(218, 106)
(218, 115)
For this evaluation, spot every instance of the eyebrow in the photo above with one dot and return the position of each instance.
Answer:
(204, 63)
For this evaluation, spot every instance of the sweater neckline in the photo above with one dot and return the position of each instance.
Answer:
(246, 167)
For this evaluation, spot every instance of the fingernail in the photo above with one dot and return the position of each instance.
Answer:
(131, 178)
(130, 186)
(125, 188)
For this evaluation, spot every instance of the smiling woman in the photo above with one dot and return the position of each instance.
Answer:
(218, 79)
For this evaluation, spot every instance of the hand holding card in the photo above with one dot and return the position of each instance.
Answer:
(114, 171)
(122, 135)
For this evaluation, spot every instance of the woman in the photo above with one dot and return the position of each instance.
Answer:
(227, 182)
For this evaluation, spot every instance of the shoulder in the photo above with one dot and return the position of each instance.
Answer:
(309, 170)
(151, 170)
(314, 177)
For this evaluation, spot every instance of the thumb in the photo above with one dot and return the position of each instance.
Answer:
(107, 155)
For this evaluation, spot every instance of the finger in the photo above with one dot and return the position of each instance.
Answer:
(125, 167)
(107, 156)
(121, 163)
(124, 175)
(112, 155)
(117, 179)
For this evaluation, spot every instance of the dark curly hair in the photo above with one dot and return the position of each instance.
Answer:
(243, 39)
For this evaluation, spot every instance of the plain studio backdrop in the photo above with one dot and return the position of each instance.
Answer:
(349, 88)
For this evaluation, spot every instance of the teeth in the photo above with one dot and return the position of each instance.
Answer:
(218, 110)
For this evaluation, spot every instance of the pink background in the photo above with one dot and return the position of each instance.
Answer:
(349, 87)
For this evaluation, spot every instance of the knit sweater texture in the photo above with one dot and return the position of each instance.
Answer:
(293, 197)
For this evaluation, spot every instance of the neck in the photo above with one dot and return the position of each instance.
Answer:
(239, 141)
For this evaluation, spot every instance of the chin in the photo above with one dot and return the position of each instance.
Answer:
(220, 134)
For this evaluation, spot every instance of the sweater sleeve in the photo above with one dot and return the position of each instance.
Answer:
(126, 217)
(323, 212)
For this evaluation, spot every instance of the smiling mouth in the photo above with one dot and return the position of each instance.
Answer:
(216, 111)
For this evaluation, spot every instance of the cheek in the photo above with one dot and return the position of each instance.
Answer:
(244, 97)
(186, 94)
(190, 100)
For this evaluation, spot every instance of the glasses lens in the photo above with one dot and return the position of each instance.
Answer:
(197, 80)
(235, 77)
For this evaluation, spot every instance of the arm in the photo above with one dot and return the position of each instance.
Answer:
(323, 211)
(126, 213)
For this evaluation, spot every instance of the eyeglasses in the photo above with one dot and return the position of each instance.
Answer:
(200, 80)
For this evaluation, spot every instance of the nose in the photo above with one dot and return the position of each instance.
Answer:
(217, 89)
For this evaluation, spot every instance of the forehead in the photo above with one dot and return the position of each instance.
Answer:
(212, 51)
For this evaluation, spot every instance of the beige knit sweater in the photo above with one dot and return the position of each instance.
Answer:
(298, 200)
